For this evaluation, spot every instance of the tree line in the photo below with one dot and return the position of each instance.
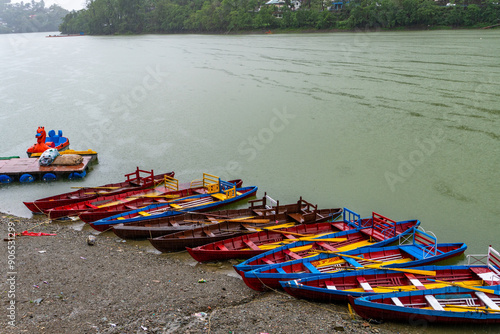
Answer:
(29, 17)
(105, 17)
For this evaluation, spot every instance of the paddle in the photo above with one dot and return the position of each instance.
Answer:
(473, 308)
(95, 187)
(465, 286)
(344, 255)
(404, 270)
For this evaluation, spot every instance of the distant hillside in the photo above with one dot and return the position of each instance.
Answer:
(104, 17)
(29, 17)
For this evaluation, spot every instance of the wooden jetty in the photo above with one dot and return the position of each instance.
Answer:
(27, 170)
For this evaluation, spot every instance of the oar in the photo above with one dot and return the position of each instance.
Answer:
(404, 270)
(95, 187)
(345, 255)
(465, 286)
(473, 308)
(313, 239)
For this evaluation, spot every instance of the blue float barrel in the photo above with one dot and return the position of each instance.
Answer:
(26, 178)
(5, 179)
(49, 177)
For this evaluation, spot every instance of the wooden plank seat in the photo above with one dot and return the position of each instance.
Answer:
(131, 207)
(251, 245)
(311, 268)
(434, 303)
(292, 254)
(330, 286)
(416, 282)
(397, 301)
(297, 217)
(327, 246)
(487, 300)
(364, 284)
(222, 247)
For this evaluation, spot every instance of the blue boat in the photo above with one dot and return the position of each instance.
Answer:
(376, 230)
(226, 193)
(336, 287)
(423, 250)
(450, 305)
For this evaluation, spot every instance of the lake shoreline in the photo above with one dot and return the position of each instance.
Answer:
(64, 284)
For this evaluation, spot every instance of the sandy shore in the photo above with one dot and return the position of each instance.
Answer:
(60, 284)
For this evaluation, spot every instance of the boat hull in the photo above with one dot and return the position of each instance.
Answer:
(371, 307)
(107, 223)
(134, 183)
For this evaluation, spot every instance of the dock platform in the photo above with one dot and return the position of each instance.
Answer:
(27, 170)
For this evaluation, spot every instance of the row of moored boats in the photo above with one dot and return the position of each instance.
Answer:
(381, 267)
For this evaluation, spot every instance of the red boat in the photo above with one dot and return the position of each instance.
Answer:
(107, 207)
(249, 245)
(139, 179)
(259, 208)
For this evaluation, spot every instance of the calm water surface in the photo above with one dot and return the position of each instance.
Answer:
(405, 124)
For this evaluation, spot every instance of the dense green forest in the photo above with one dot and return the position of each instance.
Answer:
(229, 16)
(29, 17)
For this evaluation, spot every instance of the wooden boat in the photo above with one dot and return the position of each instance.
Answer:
(249, 245)
(337, 287)
(106, 206)
(230, 229)
(145, 200)
(264, 208)
(225, 193)
(367, 232)
(457, 304)
(198, 236)
(400, 256)
(140, 179)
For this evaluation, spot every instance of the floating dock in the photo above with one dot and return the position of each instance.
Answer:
(27, 170)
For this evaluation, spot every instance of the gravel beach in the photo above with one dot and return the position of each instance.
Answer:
(61, 284)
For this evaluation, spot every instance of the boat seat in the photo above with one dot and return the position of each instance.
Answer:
(434, 302)
(311, 268)
(209, 233)
(364, 284)
(327, 246)
(143, 213)
(222, 247)
(397, 301)
(330, 286)
(131, 207)
(175, 206)
(415, 281)
(251, 245)
(297, 217)
(280, 270)
(487, 301)
(219, 196)
(292, 254)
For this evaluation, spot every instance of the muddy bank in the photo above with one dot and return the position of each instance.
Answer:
(63, 285)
